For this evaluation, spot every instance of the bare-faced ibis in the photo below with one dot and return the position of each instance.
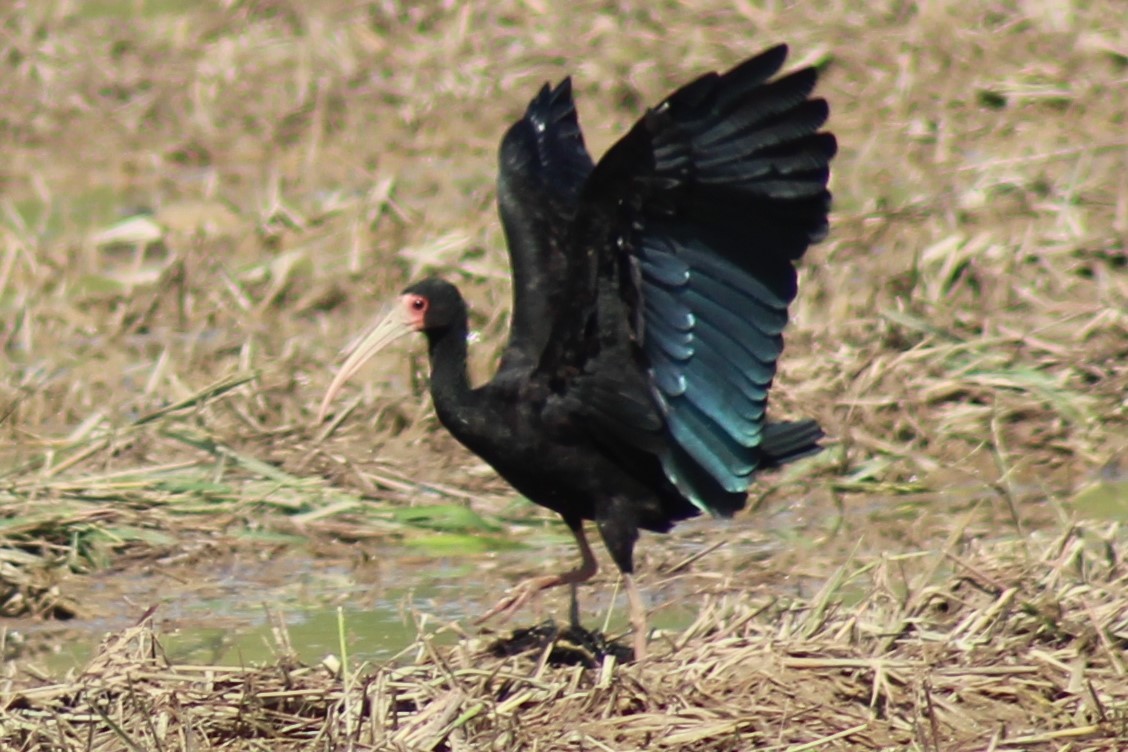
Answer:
(649, 296)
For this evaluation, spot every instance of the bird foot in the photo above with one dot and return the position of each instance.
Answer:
(520, 594)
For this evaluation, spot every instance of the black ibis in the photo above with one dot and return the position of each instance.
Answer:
(650, 291)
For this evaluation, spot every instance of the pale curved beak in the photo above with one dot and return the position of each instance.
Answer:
(391, 327)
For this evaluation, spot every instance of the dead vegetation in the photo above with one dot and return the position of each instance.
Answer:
(1008, 651)
(199, 203)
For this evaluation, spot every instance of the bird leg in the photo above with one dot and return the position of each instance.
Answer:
(638, 616)
(520, 593)
(574, 606)
(618, 524)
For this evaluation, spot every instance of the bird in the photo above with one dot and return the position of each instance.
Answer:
(650, 291)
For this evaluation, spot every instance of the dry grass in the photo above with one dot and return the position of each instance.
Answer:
(201, 203)
(1006, 652)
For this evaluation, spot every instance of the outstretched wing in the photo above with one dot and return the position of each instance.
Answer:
(543, 166)
(684, 248)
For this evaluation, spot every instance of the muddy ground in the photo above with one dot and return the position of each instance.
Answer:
(201, 203)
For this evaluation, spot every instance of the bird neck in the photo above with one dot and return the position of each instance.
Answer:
(450, 380)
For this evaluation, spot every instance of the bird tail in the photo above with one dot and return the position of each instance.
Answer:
(787, 441)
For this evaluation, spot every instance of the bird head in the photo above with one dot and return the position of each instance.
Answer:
(431, 306)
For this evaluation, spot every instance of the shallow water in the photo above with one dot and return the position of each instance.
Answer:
(232, 617)
(226, 612)
(227, 608)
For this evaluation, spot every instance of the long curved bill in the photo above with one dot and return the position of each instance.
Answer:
(391, 327)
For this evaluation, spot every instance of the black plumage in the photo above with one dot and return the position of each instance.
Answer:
(650, 292)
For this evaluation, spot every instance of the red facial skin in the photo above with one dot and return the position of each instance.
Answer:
(415, 307)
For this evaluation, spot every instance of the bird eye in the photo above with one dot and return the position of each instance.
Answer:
(418, 303)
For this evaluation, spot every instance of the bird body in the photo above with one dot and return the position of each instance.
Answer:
(529, 434)
(650, 291)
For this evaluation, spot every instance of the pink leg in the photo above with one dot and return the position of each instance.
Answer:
(638, 616)
(520, 593)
